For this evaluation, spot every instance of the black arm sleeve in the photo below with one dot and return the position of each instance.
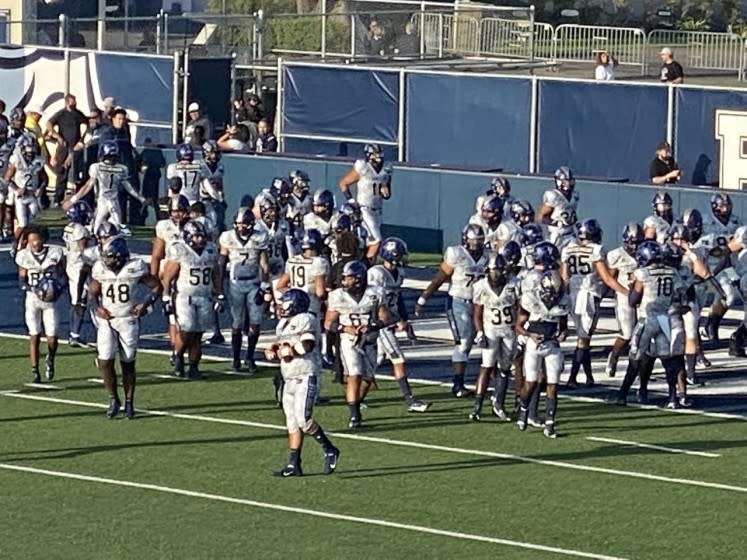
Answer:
(402, 308)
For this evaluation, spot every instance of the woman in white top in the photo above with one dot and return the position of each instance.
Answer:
(605, 68)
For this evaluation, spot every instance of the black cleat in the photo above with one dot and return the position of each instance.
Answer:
(330, 460)
(35, 377)
(354, 423)
(590, 380)
(217, 338)
(194, 373)
(114, 405)
(288, 471)
(474, 416)
(460, 391)
(129, 410)
(49, 369)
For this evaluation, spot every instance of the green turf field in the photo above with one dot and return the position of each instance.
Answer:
(192, 479)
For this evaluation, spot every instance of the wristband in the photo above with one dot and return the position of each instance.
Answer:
(74, 199)
(421, 301)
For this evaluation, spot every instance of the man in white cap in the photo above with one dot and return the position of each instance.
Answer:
(671, 70)
(196, 118)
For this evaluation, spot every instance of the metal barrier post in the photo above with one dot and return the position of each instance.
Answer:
(531, 33)
(440, 35)
(185, 91)
(421, 27)
(66, 77)
(533, 126)
(159, 30)
(63, 31)
(324, 29)
(260, 20)
(670, 113)
(165, 32)
(742, 61)
(352, 35)
(233, 88)
(126, 23)
(101, 25)
(175, 98)
(279, 107)
(401, 117)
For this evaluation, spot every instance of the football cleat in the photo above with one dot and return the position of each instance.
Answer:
(330, 460)
(501, 414)
(74, 342)
(590, 380)
(194, 373)
(702, 362)
(217, 338)
(536, 422)
(114, 405)
(235, 367)
(550, 431)
(129, 410)
(35, 377)
(522, 421)
(418, 406)
(49, 369)
(642, 396)
(251, 365)
(611, 368)
(288, 471)
(571, 385)
(684, 402)
(474, 416)
(460, 391)
(672, 405)
(125, 231)
(354, 423)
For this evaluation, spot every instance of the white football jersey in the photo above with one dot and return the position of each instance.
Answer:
(539, 312)
(168, 232)
(295, 330)
(388, 285)
(72, 235)
(36, 264)
(297, 206)
(509, 231)
(491, 235)
(27, 174)
(108, 179)
(740, 262)
(625, 264)
(277, 243)
(303, 272)
(370, 181)
(580, 260)
(467, 270)
(355, 313)
(716, 235)
(243, 257)
(661, 226)
(195, 270)
(563, 216)
(118, 289)
(661, 284)
(190, 174)
(499, 308)
(312, 221)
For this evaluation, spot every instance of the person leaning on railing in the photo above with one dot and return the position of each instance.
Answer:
(605, 66)
(663, 170)
(671, 70)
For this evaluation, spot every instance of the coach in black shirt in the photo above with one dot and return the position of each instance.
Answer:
(663, 169)
(71, 126)
(671, 70)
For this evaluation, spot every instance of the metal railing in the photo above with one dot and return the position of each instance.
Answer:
(581, 43)
(699, 49)
(515, 38)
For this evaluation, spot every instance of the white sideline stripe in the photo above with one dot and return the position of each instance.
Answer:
(309, 512)
(654, 447)
(403, 443)
(43, 386)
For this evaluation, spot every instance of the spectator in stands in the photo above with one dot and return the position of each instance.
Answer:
(240, 113)
(605, 68)
(376, 38)
(671, 70)
(266, 141)
(663, 170)
(196, 118)
(109, 106)
(148, 42)
(235, 139)
(67, 127)
(255, 113)
(33, 115)
(407, 44)
(197, 138)
(3, 118)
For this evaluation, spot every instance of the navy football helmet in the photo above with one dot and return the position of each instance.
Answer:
(80, 213)
(692, 219)
(662, 204)
(106, 231)
(48, 289)
(492, 210)
(353, 211)
(550, 288)
(473, 239)
(342, 223)
(243, 224)
(185, 152)
(394, 250)
(293, 302)
(546, 255)
(29, 150)
(511, 252)
(565, 182)
(721, 207)
(211, 151)
(374, 155)
(281, 189)
(17, 119)
(497, 271)
(194, 235)
(500, 187)
(522, 212)
(179, 209)
(323, 203)
(312, 240)
(648, 253)
(109, 152)
(671, 255)
(300, 181)
(531, 234)
(590, 230)
(354, 277)
(632, 236)
(269, 210)
(116, 254)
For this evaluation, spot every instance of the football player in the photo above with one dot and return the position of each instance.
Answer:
(41, 268)
(78, 240)
(357, 227)
(188, 170)
(277, 231)
(738, 246)
(462, 266)
(621, 263)
(357, 313)
(169, 232)
(387, 278)
(521, 214)
(211, 185)
(374, 182)
(718, 230)
(489, 218)
(559, 207)
(297, 347)
(192, 265)
(244, 256)
(585, 274)
(543, 320)
(308, 271)
(501, 189)
(657, 225)
(299, 203)
(108, 176)
(495, 301)
(322, 216)
(114, 283)
(26, 180)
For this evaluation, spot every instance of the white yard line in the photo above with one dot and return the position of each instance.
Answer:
(308, 512)
(654, 447)
(402, 443)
